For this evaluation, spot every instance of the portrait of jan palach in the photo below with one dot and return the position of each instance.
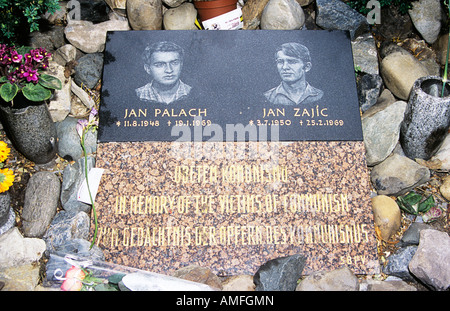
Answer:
(293, 61)
(163, 61)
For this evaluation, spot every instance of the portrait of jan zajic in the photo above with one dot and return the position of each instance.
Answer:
(235, 76)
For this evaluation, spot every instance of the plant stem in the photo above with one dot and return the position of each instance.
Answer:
(444, 79)
(89, 189)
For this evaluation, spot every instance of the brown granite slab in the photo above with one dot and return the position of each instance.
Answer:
(234, 206)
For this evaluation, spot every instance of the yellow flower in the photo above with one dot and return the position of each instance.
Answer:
(6, 179)
(4, 151)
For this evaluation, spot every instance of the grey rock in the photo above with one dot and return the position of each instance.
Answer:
(51, 39)
(90, 38)
(173, 3)
(412, 235)
(394, 24)
(41, 203)
(21, 278)
(430, 263)
(117, 4)
(397, 175)
(384, 100)
(196, 273)
(282, 15)
(440, 47)
(336, 15)
(342, 279)
(145, 14)
(15, 250)
(67, 226)
(369, 89)
(6, 213)
(365, 54)
(426, 17)
(95, 11)
(386, 286)
(442, 156)
(180, 18)
(69, 141)
(89, 70)
(280, 274)
(59, 105)
(74, 174)
(399, 71)
(388, 48)
(381, 132)
(65, 54)
(397, 263)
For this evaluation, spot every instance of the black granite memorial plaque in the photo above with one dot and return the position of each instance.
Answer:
(230, 148)
(234, 78)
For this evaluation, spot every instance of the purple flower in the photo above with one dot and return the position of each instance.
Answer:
(5, 59)
(12, 79)
(36, 54)
(31, 75)
(28, 59)
(81, 125)
(16, 57)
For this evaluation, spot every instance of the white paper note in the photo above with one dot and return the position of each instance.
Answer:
(94, 176)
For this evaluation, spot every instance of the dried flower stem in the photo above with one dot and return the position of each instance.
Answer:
(89, 189)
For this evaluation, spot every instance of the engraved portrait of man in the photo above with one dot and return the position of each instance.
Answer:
(293, 61)
(163, 61)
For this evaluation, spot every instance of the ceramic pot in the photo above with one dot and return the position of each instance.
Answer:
(30, 128)
(427, 118)
(209, 9)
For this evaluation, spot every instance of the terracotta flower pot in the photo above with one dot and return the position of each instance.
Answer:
(209, 9)
(427, 118)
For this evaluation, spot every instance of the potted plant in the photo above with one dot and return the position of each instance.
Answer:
(208, 9)
(24, 90)
(427, 116)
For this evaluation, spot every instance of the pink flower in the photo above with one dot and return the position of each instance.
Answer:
(28, 59)
(73, 279)
(92, 117)
(37, 54)
(81, 125)
(12, 79)
(31, 75)
(16, 57)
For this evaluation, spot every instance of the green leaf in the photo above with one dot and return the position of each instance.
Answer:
(49, 82)
(116, 278)
(3, 79)
(412, 198)
(426, 205)
(36, 92)
(409, 203)
(406, 207)
(22, 50)
(106, 287)
(8, 91)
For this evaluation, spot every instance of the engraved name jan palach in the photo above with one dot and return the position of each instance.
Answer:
(227, 149)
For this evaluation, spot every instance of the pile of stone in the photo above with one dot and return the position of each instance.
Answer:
(386, 74)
